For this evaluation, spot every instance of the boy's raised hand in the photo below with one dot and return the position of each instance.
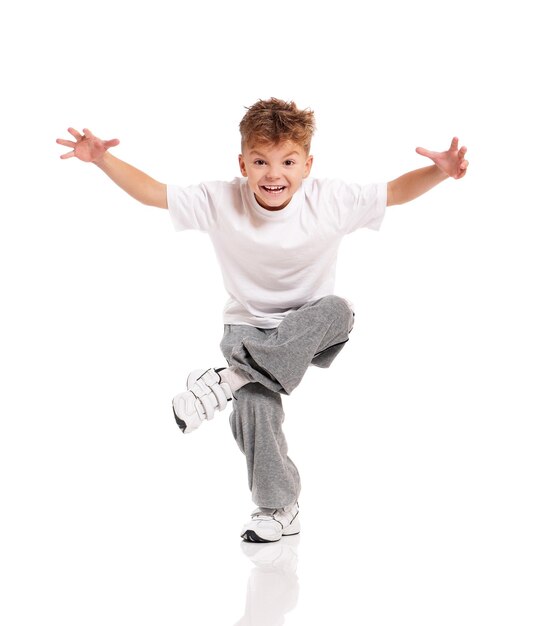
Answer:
(452, 162)
(87, 147)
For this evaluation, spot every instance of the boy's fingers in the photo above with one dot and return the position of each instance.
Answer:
(74, 133)
(454, 144)
(88, 133)
(111, 142)
(65, 142)
(426, 153)
(67, 155)
(461, 171)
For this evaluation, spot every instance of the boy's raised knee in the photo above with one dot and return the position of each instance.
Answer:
(338, 307)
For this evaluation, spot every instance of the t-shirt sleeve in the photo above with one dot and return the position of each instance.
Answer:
(191, 207)
(357, 206)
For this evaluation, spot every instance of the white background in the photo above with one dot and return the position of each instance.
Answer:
(414, 449)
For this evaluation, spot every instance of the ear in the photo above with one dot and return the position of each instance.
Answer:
(308, 166)
(242, 165)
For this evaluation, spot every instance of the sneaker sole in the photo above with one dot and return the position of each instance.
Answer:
(190, 379)
(179, 422)
(253, 537)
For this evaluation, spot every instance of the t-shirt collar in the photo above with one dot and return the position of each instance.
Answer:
(282, 214)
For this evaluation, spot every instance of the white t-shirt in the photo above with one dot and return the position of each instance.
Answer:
(273, 262)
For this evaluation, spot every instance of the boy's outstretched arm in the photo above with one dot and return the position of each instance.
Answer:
(448, 164)
(139, 185)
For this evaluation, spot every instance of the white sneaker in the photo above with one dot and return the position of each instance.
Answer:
(272, 524)
(205, 394)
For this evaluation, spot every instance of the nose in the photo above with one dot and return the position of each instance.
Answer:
(273, 173)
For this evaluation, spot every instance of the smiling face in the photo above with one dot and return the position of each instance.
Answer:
(275, 172)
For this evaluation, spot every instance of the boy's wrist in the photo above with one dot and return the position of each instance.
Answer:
(101, 161)
(441, 173)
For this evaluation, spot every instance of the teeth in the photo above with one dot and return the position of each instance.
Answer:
(274, 187)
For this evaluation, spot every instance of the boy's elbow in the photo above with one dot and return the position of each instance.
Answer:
(395, 194)
(391, 194)
(157, 197)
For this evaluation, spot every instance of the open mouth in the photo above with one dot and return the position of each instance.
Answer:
(273, 189)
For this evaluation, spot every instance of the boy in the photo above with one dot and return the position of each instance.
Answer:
(276, 233)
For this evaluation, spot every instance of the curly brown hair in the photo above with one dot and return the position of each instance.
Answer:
(274, 121)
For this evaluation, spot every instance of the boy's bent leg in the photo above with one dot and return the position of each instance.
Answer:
(256, 422)
(315, 333)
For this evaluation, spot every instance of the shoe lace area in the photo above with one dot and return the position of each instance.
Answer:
(264, 515)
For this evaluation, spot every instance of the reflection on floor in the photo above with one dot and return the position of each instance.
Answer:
(273, 582)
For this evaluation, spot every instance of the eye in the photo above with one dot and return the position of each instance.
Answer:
(259, 162)
(288, 162)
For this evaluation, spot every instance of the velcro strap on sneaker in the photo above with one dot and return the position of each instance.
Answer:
(220, 396)
(207, 403)
(210, 377)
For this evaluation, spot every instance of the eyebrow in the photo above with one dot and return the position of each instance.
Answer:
(284, 157)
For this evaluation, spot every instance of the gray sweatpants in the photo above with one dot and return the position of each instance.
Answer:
(276, 359)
